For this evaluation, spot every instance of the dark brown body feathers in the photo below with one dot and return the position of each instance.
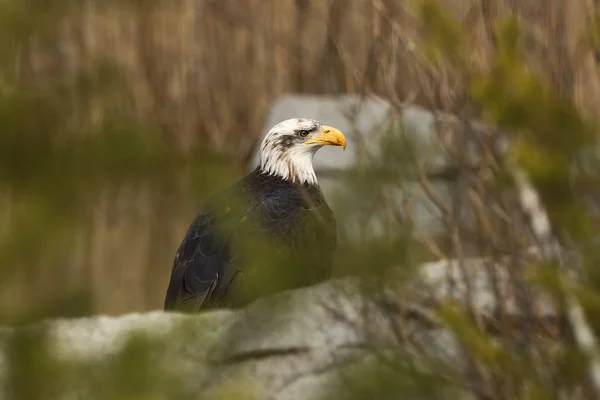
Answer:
(262, 235)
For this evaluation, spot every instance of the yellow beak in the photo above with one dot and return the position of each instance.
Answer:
(329, 136)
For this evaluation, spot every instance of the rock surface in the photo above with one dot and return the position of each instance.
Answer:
(302, 344)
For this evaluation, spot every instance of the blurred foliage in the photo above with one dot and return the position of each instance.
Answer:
(56, 159)
(59, 160)
(548, 134)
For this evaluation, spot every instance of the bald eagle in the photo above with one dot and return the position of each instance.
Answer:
(270, 231)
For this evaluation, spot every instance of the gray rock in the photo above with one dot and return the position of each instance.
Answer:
(309, 343)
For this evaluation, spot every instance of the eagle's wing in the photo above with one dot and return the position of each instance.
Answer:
(203, 265)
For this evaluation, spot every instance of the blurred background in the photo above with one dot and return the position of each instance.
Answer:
(118, 119)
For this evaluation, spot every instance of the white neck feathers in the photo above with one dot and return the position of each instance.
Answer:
(294, 164)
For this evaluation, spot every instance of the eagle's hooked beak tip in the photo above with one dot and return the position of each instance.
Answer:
(330, 136)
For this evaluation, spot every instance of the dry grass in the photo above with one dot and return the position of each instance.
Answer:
(207, 70)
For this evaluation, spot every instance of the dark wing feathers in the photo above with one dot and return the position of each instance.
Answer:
(205, 265)
(201, 263)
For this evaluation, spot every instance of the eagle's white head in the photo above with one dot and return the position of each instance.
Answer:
(287, 150)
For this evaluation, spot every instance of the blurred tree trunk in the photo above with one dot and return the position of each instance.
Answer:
(331, 63)
(150, 67)
(298, 84)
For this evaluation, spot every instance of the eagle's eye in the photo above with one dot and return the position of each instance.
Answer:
(303, 133)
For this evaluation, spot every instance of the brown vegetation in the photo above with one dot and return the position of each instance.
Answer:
(206, 71)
